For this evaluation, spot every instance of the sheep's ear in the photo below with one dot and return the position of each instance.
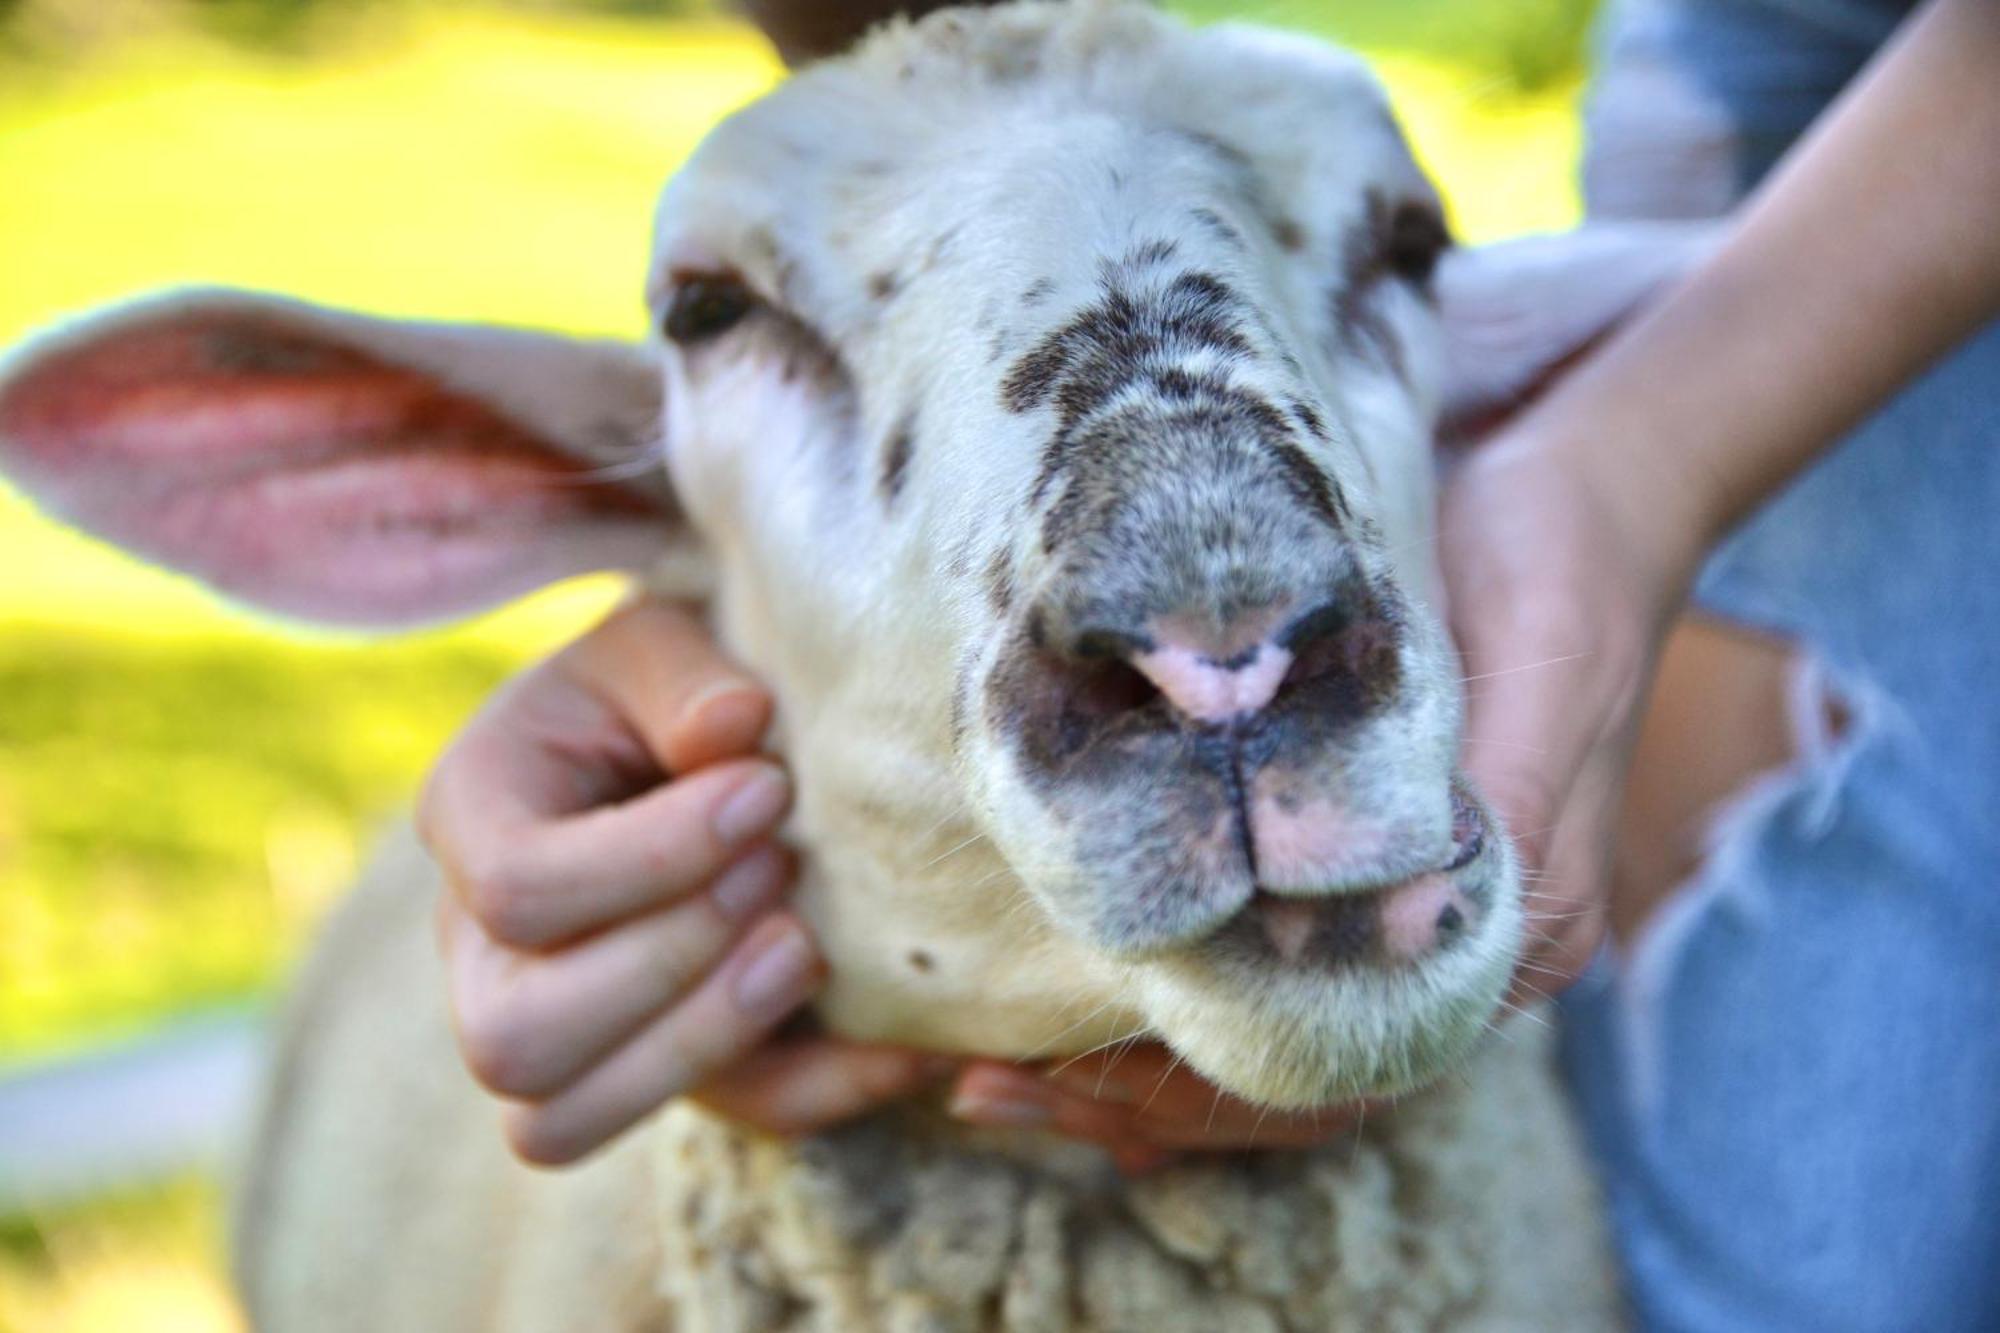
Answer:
(339, 468)
(1517, 312)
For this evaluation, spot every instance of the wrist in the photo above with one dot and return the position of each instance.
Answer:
(1657, 509)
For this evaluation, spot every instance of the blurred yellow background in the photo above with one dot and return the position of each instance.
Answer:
(183, 787)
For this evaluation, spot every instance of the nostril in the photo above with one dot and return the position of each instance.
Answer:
(1103, 687)
(1093, 645)
(1318, 642)
(1347, 644)
(1316, 626)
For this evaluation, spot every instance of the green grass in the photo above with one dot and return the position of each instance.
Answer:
(174, 812)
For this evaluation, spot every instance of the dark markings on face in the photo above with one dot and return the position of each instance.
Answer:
(1102, 475)
(896, 459)
(883, 286)
(1128, 341)
(1040, 290)
(1306, 415)
(1232, 156)
(1358, 320)
(1000, 582)
(1084, 363)
(1221, 228)
(1153, 252)
(1289, 234)
(1390, 243)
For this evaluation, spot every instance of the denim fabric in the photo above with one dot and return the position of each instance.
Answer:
(1794, 1080)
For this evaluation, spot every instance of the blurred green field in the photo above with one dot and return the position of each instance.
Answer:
(184, 787)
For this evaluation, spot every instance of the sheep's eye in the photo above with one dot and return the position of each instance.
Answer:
(1416, 238)
(701, 308)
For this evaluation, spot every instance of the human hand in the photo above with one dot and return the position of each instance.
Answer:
(614, 930)
(1140, 1103)
(1562, 576)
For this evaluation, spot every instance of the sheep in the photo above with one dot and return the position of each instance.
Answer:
(1046, 396)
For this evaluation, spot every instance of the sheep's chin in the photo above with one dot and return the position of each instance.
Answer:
(1294, 1040)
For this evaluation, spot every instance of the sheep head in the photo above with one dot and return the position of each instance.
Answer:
(1045, 398)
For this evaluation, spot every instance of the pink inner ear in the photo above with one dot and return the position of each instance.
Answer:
(308, 475)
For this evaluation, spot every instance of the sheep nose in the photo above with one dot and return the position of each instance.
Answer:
(1211, 674)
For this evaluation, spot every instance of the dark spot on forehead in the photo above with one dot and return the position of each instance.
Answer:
(1228, 153)
(922, 961)
(1038, 291)
(1177, 384)
(942, 245)
(1289, 234)
(1153, 252)
(1000, 582)
(896, 456)
(884, 285)
(1218, 226)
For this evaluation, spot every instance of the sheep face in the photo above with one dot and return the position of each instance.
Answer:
(1054, 388)
(1047, 393)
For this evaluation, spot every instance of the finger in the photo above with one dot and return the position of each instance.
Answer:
(1174, 1106)
(1565, 905)
(645, 693)
(770, 973)
(531, 1024)
(659, 667)
(1003, 1096)
(803, 1087)
(500, 810)
(1187, 1113)
(532, 887)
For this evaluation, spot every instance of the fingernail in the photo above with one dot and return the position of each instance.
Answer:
(753, 807)
(729, 708)
(1001, 1112)
(778, 976)
(749, 885)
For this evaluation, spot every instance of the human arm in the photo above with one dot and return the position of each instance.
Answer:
(1570, 537)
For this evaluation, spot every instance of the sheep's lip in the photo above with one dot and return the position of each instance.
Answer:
(1330, 930)
(1323, 932)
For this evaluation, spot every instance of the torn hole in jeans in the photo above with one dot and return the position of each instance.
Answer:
(1742, 729)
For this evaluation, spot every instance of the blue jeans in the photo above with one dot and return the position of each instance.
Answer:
(1793, 1080)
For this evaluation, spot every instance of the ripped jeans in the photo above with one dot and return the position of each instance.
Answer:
(1792, 1078)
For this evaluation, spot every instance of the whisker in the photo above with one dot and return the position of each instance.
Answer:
(1532, 666)
(1161, 1086)
(948, 855)
(1511, 745)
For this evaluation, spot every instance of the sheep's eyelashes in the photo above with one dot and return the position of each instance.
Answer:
(1415, 239)
(704, 307)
